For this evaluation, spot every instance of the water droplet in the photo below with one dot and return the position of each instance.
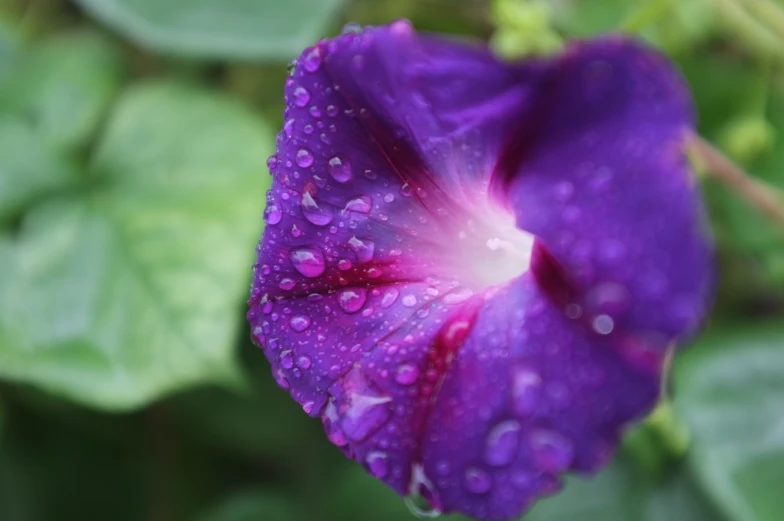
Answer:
(477, 480)
(563, 191)
(299, 323)
(288, 127)
(501, 444)
(407, 374)
(552, 452)
(295, 232)
(332, 111)
(377, 463)
(409, 301)
(363, 248)
(272, 214)
(362, 408)
(286, 360)
(389, 298)
(603, 324)
(312, 60)
(330, 419)
(374, 273)
(457, 296)
(351, 300)
(318, 215)
(405, 190)
(286, 284)
(389, 198)
(303, 362)
(304, 157)
(301, 96)
(308, 261)
(339, 168)
(361, 204)
(344, 264)
(422, 500)
(351, 28)
(526, 389)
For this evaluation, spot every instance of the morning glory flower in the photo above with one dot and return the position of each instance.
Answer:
(472, 271)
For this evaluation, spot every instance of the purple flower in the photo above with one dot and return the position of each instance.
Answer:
(472, 270)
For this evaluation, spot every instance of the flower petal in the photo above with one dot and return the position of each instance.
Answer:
(601, 180)
(530, 395)
(390, 293)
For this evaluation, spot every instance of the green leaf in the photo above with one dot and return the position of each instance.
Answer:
(233, 29)
(63, 86)
(620, 492)
(253, 506)
(731, 396)
(132, 290)
(29, 168)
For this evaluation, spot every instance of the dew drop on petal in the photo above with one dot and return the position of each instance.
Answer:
(344, 264)
(286, 284)
(363, 248)
(304, 157)
(339, 168)
(389, 298)
(501, 444)
(457, 296)
(603, 324)
(308, 261)
(272, 214)
(421, 499)
(409, 301)
(406, 374)
(312, 60)
(330, 419)
(351, 300)
(377, 463)
(552, 452)
(301, 96)
(477, 480)
(286, 360)
(304, 362)
(526, 389)
(299, 323)
(363, 410)
(361, 204)
(318, 215)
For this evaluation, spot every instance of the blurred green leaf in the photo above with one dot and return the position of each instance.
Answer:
(754, 245)
(253, 506)
(731, 396)
(29, 168)
(63, 86)
(133, 290)
(233, 29)
(620, 492)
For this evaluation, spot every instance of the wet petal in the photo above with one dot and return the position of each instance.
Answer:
(471, 269)
(602, 181)
(531, 394)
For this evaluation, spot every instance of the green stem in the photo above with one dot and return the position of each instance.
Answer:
(765, 198)
(766, 10)
(750, 28)
(648, 13)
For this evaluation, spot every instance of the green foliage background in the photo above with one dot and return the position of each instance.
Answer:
(133, 141)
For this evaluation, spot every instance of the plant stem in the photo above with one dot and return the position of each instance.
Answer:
(762, 196)
(648, 13)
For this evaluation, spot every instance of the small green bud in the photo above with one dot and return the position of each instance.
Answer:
(747, 137)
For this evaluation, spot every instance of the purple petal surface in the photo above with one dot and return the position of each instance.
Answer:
(471, 270)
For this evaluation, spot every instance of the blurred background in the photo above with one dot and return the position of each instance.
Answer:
(133, 143)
